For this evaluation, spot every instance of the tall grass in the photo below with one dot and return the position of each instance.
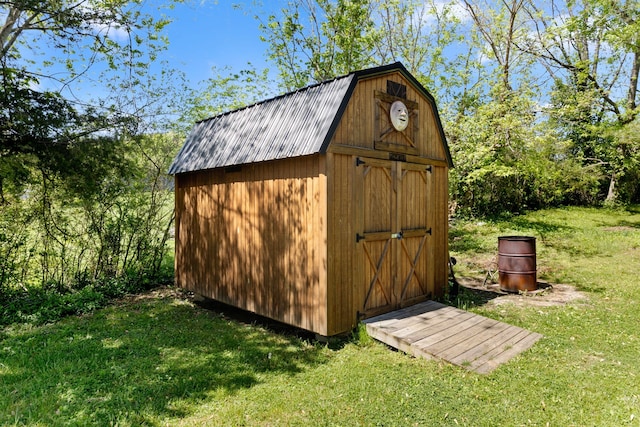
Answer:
(166, 361)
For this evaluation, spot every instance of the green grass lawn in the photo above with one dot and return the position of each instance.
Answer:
(165, 361)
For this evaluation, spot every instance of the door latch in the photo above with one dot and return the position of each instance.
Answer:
(397, 235)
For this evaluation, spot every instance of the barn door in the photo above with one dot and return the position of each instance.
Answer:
(394, 234)
(413, 218)
(375, 241)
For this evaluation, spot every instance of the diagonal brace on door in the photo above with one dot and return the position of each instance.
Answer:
(376, 268)
(413, 266)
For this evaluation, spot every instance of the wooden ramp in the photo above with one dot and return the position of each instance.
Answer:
(434, 330)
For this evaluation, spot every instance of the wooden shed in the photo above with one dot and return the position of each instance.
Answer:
(319, 207)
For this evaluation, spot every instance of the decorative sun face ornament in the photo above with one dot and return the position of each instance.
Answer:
(399, 116)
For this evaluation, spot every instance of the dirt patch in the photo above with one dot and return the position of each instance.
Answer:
(547, 294)
(161, 292)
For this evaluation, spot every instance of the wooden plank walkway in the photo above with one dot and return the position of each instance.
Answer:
(434, 330)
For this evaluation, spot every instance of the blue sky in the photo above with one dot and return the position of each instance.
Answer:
(203, 34)
(219, 34)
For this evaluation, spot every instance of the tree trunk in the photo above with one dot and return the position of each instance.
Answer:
(611, 194)
(633, 87)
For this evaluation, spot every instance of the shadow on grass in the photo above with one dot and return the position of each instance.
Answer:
(474, 293)
(623, 223)
(633, 209)
(253, 319)
(138, 364)
(475, 240)
(536, 226)
(627, 219)
(466, 241)
(469, 297)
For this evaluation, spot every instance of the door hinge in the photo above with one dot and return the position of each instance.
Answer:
(429, 231)
(429, 168)
(359, 237)
(359, 161)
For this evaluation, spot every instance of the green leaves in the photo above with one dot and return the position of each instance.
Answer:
(315, 41)
(227, 90)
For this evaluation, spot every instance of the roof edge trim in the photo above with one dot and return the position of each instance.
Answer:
(338, 117)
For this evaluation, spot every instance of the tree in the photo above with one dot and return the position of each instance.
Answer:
(591, 50)
(626, 141)
(501, 30)
(227, 90)
(82, 194)
(41, 116)
(315, 40)
(425, 36)
(467, 55)
(595, 45)
(494, 134)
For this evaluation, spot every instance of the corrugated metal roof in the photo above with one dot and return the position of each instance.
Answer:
(291, 125)
(295, 124)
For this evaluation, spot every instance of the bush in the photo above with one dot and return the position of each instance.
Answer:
(72, 241)
(49, 303)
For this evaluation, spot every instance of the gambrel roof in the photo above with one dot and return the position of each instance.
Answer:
(295, 124)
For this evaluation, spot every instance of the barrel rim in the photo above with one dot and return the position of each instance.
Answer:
(522, 272)
(516, 238)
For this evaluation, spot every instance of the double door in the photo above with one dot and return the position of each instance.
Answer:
(394, 238)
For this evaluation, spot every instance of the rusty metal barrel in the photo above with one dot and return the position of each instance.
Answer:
(517, 263)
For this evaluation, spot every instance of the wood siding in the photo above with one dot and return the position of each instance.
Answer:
(440, 236)
(254, 237)
(358, 127)
(369, 271)
(371, 197)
